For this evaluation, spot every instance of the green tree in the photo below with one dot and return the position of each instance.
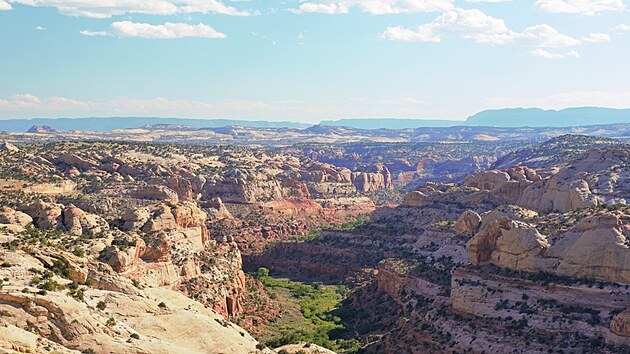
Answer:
(261, 273)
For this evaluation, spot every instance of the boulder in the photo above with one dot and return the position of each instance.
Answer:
(77, 222)
(14, 217)
(620, 324)
(414, 199)
(468, 223)
(45, 215)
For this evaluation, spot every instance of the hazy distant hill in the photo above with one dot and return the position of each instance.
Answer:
(111, 123)
(390, 123)
(535, 117)
(509, 117)
(502, 118)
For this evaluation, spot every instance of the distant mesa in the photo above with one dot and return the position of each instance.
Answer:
(42, 129)
(501, 118)
(536, 117)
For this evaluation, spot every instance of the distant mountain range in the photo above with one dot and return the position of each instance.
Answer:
(536, 117)
(502, 118)
(506, 118)
(112, 123)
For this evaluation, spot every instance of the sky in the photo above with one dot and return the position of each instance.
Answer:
(310, 60)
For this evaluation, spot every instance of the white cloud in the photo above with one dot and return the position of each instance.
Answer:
(564, 100)
(93, 33)
(481, 28)
(109, 8)
(166, 31)
(622, 27)
(539, 52)
(547, 37)
(213, 6)
(543, 53)
(490, 1)
(40, 28)
(469, 24)
(329, 9)
(583, 7)
(379, 7)
(104, 9)
(596, 37)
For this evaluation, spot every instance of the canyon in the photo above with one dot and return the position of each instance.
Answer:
(491, 246)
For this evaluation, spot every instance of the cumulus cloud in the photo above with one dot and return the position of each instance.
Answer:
(622, 27)
(166, 31)
(380, 7)
(596, 37)
(107, 9)
(469, 24)
(582, 7)
(547, 37)
(475, 25)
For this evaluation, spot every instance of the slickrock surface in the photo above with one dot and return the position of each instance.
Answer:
(111, 315)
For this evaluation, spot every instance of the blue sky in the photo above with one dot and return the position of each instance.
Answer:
(309, 60)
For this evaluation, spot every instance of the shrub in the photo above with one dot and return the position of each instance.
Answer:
(261, 273)
(50, 285)
(110, 322)
(101, 305)
(79, 252)
(78, 294)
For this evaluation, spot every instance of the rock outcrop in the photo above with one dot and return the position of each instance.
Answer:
(8, 147)
(468, 223)
(594, 248)
(597, 178)
(45, 215)
(131, 321)
(77, 222)
(13, 220)
(373, 179)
